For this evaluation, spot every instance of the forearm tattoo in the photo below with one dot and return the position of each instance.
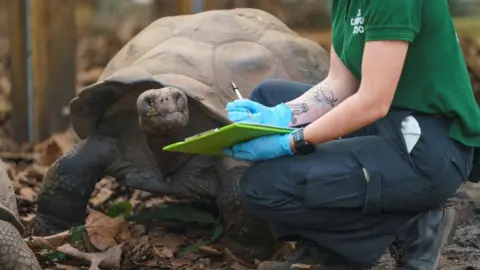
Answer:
(298, 109)
(326, 96)
(318, 99)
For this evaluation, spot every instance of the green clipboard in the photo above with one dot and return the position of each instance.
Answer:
(212, 142)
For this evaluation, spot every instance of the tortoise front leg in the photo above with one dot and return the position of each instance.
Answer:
(69, 183)
(247, 238)
(14, 252)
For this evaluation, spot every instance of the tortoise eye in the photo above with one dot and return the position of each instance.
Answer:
(176, 97)
(149, 102)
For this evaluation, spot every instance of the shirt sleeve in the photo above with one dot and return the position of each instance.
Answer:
(392, 19)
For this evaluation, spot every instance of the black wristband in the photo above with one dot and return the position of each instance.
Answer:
(301, 146)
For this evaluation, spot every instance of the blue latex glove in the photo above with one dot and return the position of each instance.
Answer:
(279, 115)
(262, 148)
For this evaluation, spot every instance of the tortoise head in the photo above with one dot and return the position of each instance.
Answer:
(162, 110)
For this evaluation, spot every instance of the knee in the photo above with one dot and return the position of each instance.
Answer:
(262, 91)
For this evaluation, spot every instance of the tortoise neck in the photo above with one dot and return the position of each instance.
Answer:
(169, 162)
(157, 140)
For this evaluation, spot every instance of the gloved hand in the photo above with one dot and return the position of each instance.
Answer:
(279, 115)
(261, 148)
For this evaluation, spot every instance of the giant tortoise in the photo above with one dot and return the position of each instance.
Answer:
(171, 81)
(14, 252)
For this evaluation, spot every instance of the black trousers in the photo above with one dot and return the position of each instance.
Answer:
(353, 195)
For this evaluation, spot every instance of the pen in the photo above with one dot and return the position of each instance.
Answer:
(239, 96)
(235, 89)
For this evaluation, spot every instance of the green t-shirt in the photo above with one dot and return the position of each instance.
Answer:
(435, 79)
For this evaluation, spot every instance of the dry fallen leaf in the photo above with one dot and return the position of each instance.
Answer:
(179, 262)
(104, 231)
(170, 241)
(163, 252)
(138, 231)
(140, 244)
(101, 196)
(36, 171)
(48, 242)
(31, 176)
(108, 259)
(137, 248)
(210, 251)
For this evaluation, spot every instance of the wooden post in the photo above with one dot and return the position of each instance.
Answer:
(18, 54)
(53, 38)
(4, 10)
(185, 7)
(211, 4)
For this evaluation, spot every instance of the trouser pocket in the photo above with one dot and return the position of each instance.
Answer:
(401, 188)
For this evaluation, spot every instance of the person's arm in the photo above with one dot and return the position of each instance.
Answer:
(337, 86)
(382, 66)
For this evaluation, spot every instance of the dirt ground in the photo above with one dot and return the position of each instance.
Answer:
(463, 250)
(119, 231)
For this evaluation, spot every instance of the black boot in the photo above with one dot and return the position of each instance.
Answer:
(307, 255)
(420, 243)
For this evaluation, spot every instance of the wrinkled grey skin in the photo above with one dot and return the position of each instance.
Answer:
(14, 252)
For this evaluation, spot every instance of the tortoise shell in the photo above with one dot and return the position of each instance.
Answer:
(8, 201)
(201, 54)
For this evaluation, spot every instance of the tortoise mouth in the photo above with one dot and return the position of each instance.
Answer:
(164, 123)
